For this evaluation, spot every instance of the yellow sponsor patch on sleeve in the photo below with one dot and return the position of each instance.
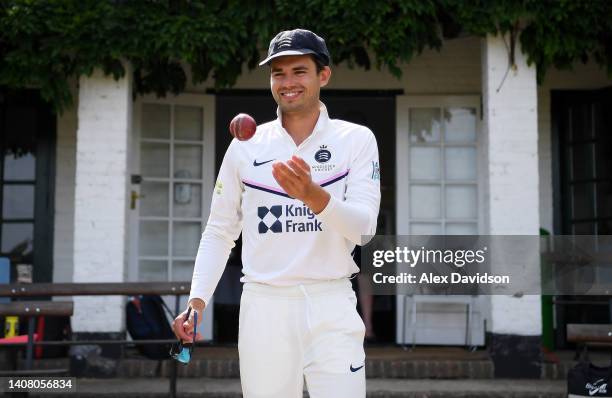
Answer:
(219, 188)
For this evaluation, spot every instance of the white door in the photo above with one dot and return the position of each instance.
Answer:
(174, 160)
(438, 193)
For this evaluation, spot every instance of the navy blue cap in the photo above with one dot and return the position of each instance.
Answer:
(297, 42)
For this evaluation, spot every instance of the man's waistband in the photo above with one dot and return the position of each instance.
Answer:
(313, 289)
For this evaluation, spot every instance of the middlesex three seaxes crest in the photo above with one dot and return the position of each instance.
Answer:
(322, 155)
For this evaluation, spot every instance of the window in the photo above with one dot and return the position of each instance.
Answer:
(440, 175)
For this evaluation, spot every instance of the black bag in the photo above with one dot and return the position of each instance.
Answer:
(588, 380)
(146, 320)
(56, 328)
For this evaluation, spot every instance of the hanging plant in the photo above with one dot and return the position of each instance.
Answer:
(44, 44)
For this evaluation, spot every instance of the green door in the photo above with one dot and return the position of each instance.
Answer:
(27, 144)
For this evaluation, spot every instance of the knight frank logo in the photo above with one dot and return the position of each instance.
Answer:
(287, 218)
(275, 212)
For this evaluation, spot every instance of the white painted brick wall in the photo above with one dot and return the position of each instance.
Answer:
(511, 140)
(100, 229)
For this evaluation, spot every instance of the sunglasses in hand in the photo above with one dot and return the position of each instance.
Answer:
(182, 351)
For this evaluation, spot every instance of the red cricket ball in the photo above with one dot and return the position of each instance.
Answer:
(243, 127)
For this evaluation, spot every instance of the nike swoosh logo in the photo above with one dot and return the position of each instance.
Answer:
(356, 369)
(256, 163)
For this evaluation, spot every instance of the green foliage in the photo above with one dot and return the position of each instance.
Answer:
(43, 43)
(570, 31)
(552, 32)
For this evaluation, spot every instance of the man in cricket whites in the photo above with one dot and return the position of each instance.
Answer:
(303, 191)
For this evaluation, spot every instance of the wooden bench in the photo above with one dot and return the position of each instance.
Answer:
(86, 289)
(32, 309)
(589, 335)
(35, 308)
(95, 289)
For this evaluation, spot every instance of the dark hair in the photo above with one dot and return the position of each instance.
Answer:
(318, 63)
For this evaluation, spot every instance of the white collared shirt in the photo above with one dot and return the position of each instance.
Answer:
(283, 242)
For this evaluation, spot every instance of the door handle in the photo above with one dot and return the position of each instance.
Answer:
(133, 197)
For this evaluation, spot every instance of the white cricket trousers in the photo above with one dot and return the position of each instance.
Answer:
(310, 331)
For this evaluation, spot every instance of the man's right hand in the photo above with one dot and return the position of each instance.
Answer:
(183, 328)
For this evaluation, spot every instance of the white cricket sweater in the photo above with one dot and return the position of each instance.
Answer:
(283, 242)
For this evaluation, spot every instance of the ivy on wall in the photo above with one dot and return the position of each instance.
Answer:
(45, 43)
(552, 32)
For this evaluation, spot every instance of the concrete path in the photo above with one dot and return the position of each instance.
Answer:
(378, 388)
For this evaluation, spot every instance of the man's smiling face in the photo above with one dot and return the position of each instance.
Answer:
(295, 83)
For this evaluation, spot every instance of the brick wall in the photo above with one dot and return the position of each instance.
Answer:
(512, 204)
(100, 226)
